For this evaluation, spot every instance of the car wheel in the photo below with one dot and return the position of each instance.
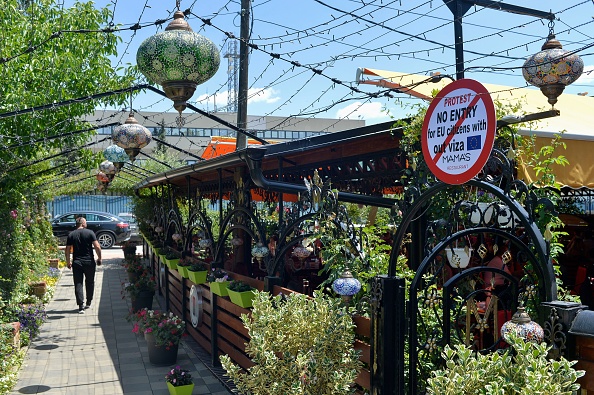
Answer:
(106, 240)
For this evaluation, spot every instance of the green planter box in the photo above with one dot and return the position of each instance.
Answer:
(183, 271)
(219, 288)
(242, 299)
(171, 263)
(197, 277)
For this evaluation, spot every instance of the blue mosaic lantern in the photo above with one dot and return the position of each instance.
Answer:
(178, 59)
(131, 136)
(116, 155)
(552, 69)
(346, 286)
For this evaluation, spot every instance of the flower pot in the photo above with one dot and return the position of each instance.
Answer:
(171, 263)
(160, 355)
(219, 288)
(459, 258)
(54, 263)
(242, 299)
(183, 271)
(38, 289)
(197, 277)
(15, 331)
(132, 276)
(180, 389)
(142, 300)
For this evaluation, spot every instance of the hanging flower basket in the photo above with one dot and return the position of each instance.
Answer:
(459, 258)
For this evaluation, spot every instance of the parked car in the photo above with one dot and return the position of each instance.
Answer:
(109, 229)
(131, 219)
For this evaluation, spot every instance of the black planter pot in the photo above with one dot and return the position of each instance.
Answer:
(160, 355)
(144, 299)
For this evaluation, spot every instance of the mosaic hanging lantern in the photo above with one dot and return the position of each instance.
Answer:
(178, 59)
(522, 326)
(131, 136)
(108, 168)
(553, 68)
(346, 286)
(116, 155)
(205, 243)
(260, 252)
(236, 241)
(102, 177)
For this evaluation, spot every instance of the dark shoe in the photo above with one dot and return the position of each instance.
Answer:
(88, 306)
(81, 311)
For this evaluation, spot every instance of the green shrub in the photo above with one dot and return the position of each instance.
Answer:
(299, 346)
(523, 369)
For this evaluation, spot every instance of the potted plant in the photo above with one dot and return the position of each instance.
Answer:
(179, 381)
(134, 269)
(299, 345)
(38, 288)
(162, 332)
(141, 291)
(171, 259)
(129, 249)
(218, 281)
(241, 293)
(197, 272)
(523, 368)
(184, 264)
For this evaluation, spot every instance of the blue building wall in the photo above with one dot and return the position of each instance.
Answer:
(105, 203)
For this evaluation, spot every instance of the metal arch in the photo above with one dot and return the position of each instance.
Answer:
(530, 227)
(173, 219)
(196, 218)
(241, 210)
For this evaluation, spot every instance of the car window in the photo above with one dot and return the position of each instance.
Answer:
(102, 218)
(68, 218)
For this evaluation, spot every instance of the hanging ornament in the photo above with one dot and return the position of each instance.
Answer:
(553, 68)
(346, 286)
(178, 59)
(116, 155)
(260, 251)
(522, 326)
(131, 136)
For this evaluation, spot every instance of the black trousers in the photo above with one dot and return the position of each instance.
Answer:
(84, 272)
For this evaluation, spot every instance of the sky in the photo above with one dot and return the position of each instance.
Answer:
(309, 50)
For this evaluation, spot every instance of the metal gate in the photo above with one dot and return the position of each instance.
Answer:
(106, 203)
(474, 261)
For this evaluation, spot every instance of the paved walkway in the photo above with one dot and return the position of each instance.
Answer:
(96, 353)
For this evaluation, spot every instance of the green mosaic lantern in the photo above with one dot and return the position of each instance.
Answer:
(178, 59)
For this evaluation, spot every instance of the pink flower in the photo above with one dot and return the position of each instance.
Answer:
(14, 214)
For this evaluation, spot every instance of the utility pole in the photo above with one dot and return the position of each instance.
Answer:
(460, 7)
(241, 141)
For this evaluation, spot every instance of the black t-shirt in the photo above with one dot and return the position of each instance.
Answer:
(81, 241)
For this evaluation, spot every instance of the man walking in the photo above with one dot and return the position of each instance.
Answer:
(80, 243)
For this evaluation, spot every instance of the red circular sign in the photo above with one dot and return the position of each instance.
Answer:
(459, 131)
